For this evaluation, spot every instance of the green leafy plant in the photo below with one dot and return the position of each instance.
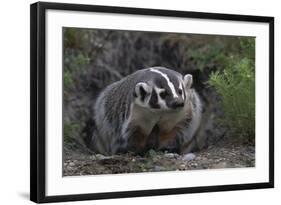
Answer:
(72, 66)
(207, 56)
(69, 130)
(75, 56)
(236, 85)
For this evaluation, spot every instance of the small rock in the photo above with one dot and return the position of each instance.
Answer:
(151, 153)
(220, 165)
(155, 159)
(251, 149)
(239, 166)
(182, 167)
(171, 155)
(159, 168)
(93, 157)
(188, 157)
(101, 157)
(71, 164)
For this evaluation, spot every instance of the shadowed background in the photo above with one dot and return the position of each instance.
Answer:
(222, 68)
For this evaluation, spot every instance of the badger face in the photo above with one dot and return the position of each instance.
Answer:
(164, 90)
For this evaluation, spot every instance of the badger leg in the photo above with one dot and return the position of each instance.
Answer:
(186, 136)
(167, 141)
(188, 147)
(137, 141)
(153, 139)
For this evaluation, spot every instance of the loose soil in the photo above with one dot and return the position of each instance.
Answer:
(223, 155)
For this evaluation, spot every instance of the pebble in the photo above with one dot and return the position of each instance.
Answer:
(220, 165)
(101, 157)
(188, 157)
(151, 153)
(171, 155)
(71, 164)
(93, 157)
(182, 166)
(158, 168)
(239, 166)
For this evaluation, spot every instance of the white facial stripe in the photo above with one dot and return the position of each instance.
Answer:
(170, 84)
(161, 102)
(181, 88)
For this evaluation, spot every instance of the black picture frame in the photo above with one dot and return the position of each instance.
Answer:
(38, 101)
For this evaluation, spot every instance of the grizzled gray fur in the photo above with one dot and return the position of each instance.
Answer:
(151, 108)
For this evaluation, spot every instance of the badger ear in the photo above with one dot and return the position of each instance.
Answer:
(188, 80)
(142, 90)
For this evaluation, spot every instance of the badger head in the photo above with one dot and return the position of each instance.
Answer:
(163, 89)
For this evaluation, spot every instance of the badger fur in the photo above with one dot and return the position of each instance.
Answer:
(152, 107)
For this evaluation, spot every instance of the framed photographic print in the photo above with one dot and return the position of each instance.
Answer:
(129, 102)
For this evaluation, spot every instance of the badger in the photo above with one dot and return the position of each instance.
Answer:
(150, 108)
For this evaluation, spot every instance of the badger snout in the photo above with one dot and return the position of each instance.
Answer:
(177, 103)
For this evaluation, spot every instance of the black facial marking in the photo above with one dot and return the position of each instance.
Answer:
(164, 94)
(173, 77)
(176, 103)
(135, 94)
(154, 100)
(142, 93)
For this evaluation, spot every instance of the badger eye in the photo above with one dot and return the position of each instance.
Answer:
(163, 94)
(180, 91)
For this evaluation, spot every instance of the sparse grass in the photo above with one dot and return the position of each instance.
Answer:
(69, 131)
(75, 56)
(236, 85)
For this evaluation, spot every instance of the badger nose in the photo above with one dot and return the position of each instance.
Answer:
(177, 103)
